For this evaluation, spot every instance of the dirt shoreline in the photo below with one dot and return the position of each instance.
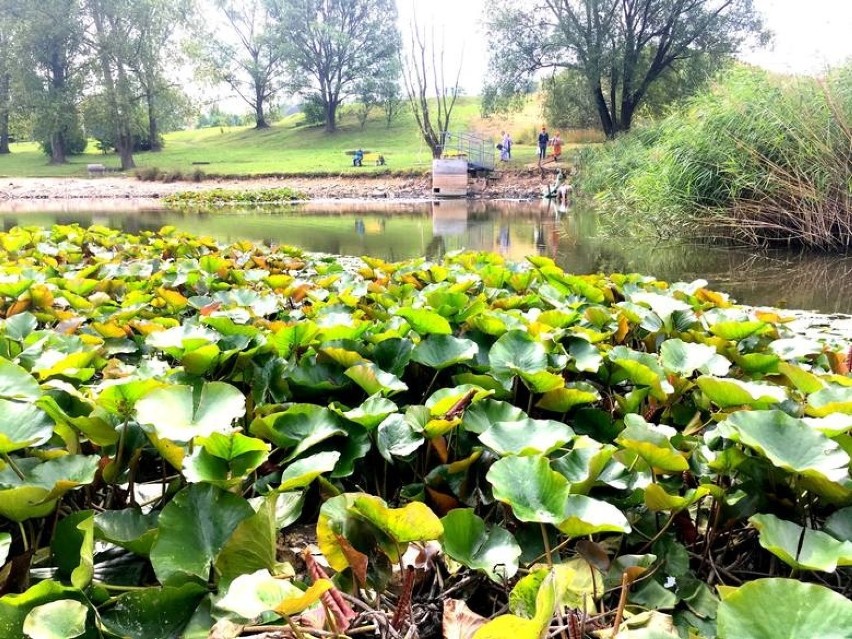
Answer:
(523, 185)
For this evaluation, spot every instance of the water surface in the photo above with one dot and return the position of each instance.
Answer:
(396, 231)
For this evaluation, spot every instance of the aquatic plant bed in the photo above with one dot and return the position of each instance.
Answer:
(220, 196)
(474, 447)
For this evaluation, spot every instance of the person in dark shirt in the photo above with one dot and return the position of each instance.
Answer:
(543, 141)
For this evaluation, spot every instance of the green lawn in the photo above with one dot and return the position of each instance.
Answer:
(288, 147)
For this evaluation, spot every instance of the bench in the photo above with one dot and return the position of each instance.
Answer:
(95, 169)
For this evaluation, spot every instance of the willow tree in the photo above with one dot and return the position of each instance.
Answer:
(331, 46)
(621, 47)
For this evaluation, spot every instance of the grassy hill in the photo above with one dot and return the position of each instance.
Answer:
(291, 147)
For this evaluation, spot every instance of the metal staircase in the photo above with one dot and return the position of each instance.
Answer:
(479, 152)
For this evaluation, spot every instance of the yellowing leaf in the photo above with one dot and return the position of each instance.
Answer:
(295, 605)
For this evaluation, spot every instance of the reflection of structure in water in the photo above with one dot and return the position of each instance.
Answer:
(449, 217)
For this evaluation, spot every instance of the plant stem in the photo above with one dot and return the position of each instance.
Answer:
(13, 466)
(547, 552)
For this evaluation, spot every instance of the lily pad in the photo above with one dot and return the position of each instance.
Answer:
(467, 540)
(802, 548)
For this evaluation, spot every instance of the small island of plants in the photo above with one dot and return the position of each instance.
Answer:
(474, 447)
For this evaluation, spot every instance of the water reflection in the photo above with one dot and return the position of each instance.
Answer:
(401, 230)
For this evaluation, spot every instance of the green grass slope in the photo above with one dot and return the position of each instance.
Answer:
(287, 147)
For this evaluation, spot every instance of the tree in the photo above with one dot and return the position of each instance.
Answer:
(332, 45)
(380, 90)
(423, 67)
(247, 53)
(48, 43)
(621, 47)
(154, 25)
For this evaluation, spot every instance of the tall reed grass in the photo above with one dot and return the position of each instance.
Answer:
(757, 159)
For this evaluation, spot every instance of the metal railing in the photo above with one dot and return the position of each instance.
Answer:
(479, 152)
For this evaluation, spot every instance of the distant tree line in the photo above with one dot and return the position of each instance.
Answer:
(109, 69)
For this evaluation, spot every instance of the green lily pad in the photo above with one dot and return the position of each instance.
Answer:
(252, 594)
(180, 413)
(534, 491)
(788, 443)
(302, 472)
(225, 460)
(783, 609)
(652, 443)
(425, 321)
(43, 483)
(396, 437)
(738, 330)
(833, 399)
(467, 540)
(254, 543)
(527, 437)
(684, 358)
(412, 522)
(62, 619)
(374, 380)
(16, 383)
(561, 400)
(129, 528)
(14, 609)
(442, 351)
(23, 425)
(481, 415)
(299, 428)
(153, 613)
(193, 529)
(370, 413)
(727, 393)
(802, 548)
(514, 352)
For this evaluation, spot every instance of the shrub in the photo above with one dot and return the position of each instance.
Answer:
(757, 159)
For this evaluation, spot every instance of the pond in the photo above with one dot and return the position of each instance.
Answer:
(397, 231)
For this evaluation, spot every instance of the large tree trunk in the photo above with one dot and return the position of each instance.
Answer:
(153, 128)
(607, 124)
(57, 148)
(259, 117)
(4, 113)
(331, 116)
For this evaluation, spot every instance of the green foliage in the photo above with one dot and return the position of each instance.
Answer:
(755, 159)
(227, 196)
(611, 427)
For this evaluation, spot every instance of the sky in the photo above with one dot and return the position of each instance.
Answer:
(809, 34)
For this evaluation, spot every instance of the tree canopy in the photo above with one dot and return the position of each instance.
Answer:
(620, 47)
(333, 45)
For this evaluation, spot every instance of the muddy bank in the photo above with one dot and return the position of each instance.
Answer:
(522, 185)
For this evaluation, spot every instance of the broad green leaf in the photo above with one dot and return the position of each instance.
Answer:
(684, 358)
(527, 437)
(374, 380)
(22, 425)
(838, 524)
(396, 437)
(443, 399)
(520, 628)
(179, 414)
(225, 460)
(153, 613)
(652, 443)
(803, 380)
(802, 548)
(253, 546)
(302, 472)
(833, 399)
(643, 369)
(516, 351)
(587, 357)
(370, 413)
(15, 608)
(467, 540)
(63, 619)
(534, 491)
(412, 522)
(788, 443)
(783, 609)
(657, 499)
(663, 305)
(738, 330)
(193, 529)
(583, 516)
(252, 594)
(425, 322)
(481, 415)
(442, 351)
(44, 482)
(16, 383)
(562, 400)
(727, 393)
(128, 528)
(298, 428)
(584, 464)
(120, 398)
(542, 381)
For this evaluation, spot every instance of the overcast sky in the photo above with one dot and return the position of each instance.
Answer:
(809, 34)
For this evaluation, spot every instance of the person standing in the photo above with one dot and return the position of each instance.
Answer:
(505, 144)
(543, 141)
(557, 147)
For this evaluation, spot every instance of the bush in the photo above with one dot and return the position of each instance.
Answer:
(757, 159)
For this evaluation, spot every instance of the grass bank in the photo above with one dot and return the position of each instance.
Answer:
(756, 159)
(288, 148)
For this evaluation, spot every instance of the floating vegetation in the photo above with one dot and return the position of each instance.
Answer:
(220, 197)
(598, 454)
